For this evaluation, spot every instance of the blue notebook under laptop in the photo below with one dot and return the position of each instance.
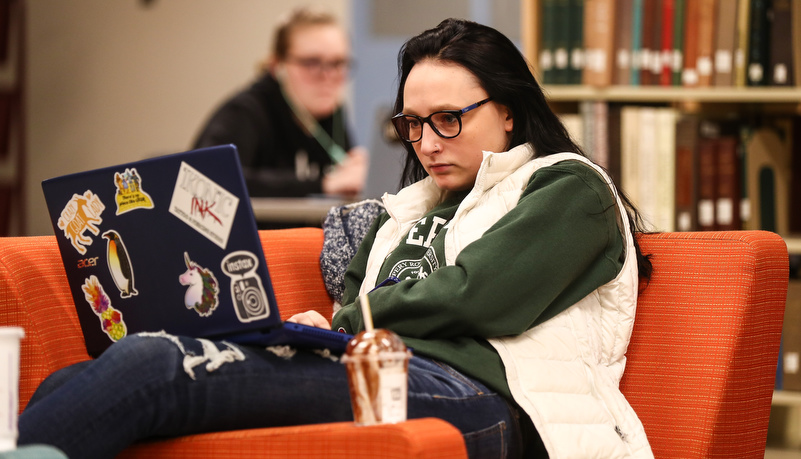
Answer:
(170, 243)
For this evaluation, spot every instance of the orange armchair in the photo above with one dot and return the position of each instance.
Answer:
(700, 365)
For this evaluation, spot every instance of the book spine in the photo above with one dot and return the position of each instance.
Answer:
(706, 41)
(668, 29)
(758, 45)
(725, 43)
(781, 49)
(664, 188)
(648, 49)
(623, 51)
(599, 14)
(689, 76)
(707, 183)
(727, 208)
(547, 41)
(600, 114)
(636, 42)
(796, 39)
(561, 48)
(576, 41)
(677, 58)
(743, 36)
(686, 173)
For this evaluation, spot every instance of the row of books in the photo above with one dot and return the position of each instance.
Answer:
(788, 371)
(691, 43)
(687, 172)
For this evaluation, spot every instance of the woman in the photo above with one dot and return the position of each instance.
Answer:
(518, 281)
(289, 125)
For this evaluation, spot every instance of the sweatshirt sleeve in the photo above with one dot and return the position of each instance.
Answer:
(556, 246)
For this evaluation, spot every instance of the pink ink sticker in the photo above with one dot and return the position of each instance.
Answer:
(129, 195)
(81, 214)
(204, 205)
(202, 292)
(110, 319)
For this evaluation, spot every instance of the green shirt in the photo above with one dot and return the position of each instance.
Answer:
(560, 243)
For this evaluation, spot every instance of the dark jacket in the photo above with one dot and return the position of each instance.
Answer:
(260, 123)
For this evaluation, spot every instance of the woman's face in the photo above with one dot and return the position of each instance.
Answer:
(316, 68)
(453, 163)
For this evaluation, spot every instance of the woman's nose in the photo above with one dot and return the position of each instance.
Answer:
(429, 143)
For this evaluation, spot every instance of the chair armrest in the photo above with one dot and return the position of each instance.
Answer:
(418, 438)
(34, 295)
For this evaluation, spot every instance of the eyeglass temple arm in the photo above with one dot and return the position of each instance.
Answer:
(475, 105)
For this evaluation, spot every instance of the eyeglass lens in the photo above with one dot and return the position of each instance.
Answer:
(445, 124)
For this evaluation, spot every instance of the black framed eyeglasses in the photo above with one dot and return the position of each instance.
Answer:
(317, 66)
(446, 123)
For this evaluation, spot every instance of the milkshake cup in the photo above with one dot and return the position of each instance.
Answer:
(9, 386)
(377, 362)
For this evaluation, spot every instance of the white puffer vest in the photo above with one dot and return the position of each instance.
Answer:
(565, 372)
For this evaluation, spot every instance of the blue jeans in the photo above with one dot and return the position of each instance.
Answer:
(163, 386)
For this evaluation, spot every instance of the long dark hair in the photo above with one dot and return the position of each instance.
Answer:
(506, 77)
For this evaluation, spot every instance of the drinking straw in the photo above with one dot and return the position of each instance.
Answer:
(367, 316)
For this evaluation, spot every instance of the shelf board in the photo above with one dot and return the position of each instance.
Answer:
(793, 244)
(786, 398)
(674, 94)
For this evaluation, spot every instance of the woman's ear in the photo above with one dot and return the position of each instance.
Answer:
(509, 123)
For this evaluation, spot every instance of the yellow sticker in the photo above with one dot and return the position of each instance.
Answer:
(129, 194)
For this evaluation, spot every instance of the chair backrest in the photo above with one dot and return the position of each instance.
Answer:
(703, 353)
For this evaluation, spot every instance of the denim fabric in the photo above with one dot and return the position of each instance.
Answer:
(161, 386)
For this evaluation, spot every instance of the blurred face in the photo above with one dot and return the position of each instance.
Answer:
(453, 163)
(316, 67)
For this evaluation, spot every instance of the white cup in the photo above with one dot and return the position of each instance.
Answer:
(9, 385)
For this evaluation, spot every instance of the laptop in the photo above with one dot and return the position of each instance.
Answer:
(170, 243)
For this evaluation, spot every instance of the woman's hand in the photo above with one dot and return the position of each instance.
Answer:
(349, 177)
(311, 318)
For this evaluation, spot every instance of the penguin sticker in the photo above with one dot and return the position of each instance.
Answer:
(119, 265)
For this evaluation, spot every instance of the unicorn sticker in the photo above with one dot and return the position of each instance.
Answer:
(202, 293)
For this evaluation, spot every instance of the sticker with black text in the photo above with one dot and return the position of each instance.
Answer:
(247, 291)
(204, 205)
(129, 195)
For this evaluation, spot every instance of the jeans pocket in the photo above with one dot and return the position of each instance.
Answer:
(487, 443)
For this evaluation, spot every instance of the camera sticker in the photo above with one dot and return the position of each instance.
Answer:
(119, 264)
(110, 319)
(204, 205)
(202, 290)
(247, 292)
(129, 195)
(81, 214)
